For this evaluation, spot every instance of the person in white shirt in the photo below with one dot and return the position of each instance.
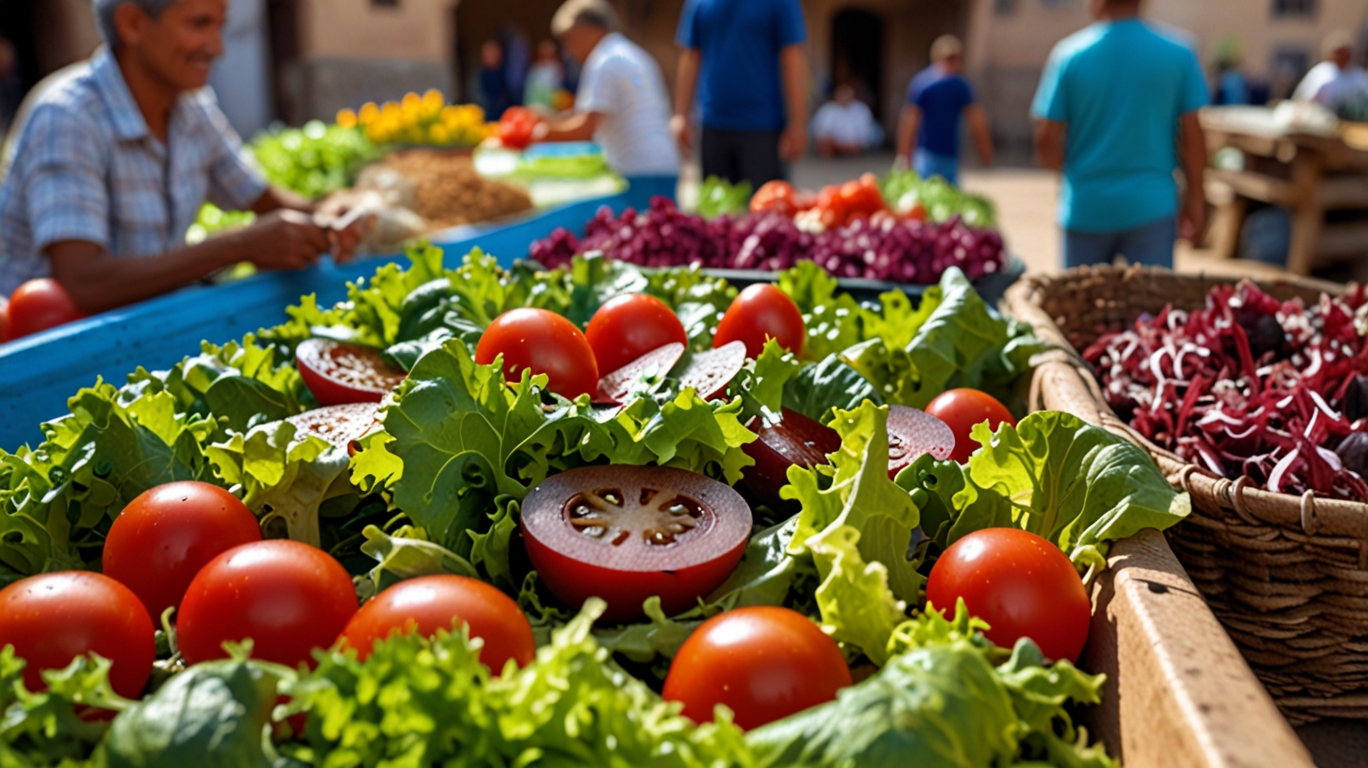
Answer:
(1336, 80)
(844, 125)
(622, 103)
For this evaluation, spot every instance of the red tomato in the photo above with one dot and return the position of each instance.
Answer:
(776, 196)
(792, 439)
(762, 312)
(516, 127)
(804, 201)
(832, 206)
(1018, 582)
(52, 618)
(619, 386)
(288, 597)
(4, 319)
(764, 663)
(627, 533)
(871, 195)
(338, 373)
(341, 425)
(39, 305)
(917, 213)
(162, 538)
(629, 326)
(541, 341)
(962, 409)
(710, 372)
(430, 603)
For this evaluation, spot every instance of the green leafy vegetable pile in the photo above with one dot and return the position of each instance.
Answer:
(719, 197)
(904, 190)
(438, 490)
(314, 160)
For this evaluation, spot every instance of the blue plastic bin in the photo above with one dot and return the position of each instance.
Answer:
(39, 373)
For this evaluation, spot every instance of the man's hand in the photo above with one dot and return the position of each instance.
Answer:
(282, 239)
(1192, 219)
(683, 135)
(793, 142)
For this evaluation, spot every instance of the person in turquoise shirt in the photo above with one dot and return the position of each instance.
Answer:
(1116, 112)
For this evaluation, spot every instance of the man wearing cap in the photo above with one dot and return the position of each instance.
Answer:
(929, 129)
(1116, 112)
(621, 103)
(113, 162)
(1336, 80)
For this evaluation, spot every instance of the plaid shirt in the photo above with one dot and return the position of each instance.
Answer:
(86, 167)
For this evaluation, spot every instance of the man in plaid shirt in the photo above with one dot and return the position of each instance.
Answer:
(115, 159)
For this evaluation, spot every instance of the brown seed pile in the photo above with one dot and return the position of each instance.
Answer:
(443, 187)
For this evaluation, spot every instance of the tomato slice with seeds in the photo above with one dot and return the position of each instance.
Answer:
(710, 372)
(640, 374)
(338, 373)
(341, 425)
(912, 433)
(626, 533)
(792, 439)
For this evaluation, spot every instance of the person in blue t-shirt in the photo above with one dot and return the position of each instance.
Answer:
(746, 60)
(1116, 112)
(929, 130)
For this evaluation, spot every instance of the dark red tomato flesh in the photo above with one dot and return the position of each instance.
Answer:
(288, 597)
(4, 319)
(52, 618)
(627, 533)
(912, 433)
(620, 385)
(764, 663)
(429, 603)
(629, 326)
(341, 425)
(962, 409)
(338, 373)
(541, 341)
(1021, 584)
(39, 305)
(762, 312)
(163, 537)
(791, 440)
(711, 371)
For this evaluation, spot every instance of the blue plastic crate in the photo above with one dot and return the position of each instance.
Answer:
(39, 373)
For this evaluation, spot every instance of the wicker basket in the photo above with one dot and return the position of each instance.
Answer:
(1286, 575)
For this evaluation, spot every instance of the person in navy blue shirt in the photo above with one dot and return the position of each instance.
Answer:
(929, 130)
(745, 58)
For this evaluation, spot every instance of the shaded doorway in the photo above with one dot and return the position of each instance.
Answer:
(857, 40)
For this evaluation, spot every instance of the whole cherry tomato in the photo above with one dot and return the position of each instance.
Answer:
(776, 196)
(628, 326)
(541, 341)
(762, 312)
(1021, 584)
(962, 409)
(763, 662)
(165, 536)
(831, 207)
(39, 305)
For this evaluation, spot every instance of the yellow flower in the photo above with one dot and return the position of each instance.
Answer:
(346, 118)
(369, 112)
(376, 133)
(439, 134)
(412, 100)
(391, 111)
(433, 101)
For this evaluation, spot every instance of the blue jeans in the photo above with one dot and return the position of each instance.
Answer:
(928, 164)
(1150, 244)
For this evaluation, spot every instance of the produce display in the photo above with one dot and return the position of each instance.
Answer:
(530, 553)
(1250, 386)
(442, 188)
(847, 230)
(426, 120)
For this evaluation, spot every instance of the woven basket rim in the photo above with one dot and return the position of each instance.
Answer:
(1317, 516)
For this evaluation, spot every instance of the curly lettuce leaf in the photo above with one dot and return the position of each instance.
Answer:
(1076, 484)
(283, 477)
(424, 701)
(407, 554)
(44, 728)
(962, 342)
(832, 317)
(856, 524)
(818, 390)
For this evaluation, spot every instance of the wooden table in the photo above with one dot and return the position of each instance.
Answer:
(1306, 174)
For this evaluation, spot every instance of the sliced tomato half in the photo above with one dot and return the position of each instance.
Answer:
(640, 374)
(792, 439)
(627, 533)
(710, 372)
(338, 373)
(341, 425)
(911, 433)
